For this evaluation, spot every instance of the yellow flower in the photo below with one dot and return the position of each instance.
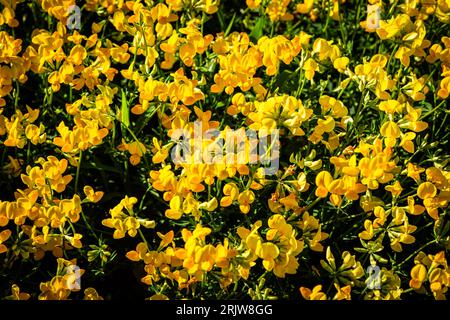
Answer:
(4, 235)
(323, 182)
(340, 64)
(310, 68)
(437, 177)
(77, 55)
(253, 4)
(407, 143)
(16, 294)
(120, 54)
(343, 293)
(137, 150)
(432, 269)
(210, 205)
(268, 252)
(368, 233)
(426, 190)
(314, 294)
(126, 221)
(35, 134)
(349, 271)
(277, 10)
(245, 199)
(210, 6)
(305, 7)
(166, 239)
(403, 53)
(414, 208)
(91, 294)
(391, 106)
(390, 130)
(412, 118)
(160, 153)
(444, 89)
(231, 192)
(395, 189)
(75, 241)
(93, 196)
(414, 171)
(175, 211)
(418, 276)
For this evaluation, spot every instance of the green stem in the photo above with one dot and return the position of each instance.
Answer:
(414, 254)
(16, 93)
(313, 204)
(143, 238)
(78, 171)
(300, 88)
(83, 216)
(356, 118)
(433, 110)
(139, 146)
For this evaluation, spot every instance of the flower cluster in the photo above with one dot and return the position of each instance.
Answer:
(140, 140)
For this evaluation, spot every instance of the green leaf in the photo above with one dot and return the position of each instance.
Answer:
(101, 167)
(257, 31)
(220, 16)
(230, 25)
(283, 79)
(124, 111)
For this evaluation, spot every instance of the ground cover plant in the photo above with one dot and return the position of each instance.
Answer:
(114, 113)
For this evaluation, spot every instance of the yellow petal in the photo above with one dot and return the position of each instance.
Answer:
(426, 190)
(390, 130)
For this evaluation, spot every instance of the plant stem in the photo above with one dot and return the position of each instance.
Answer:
(78, 171)
(414, 253)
